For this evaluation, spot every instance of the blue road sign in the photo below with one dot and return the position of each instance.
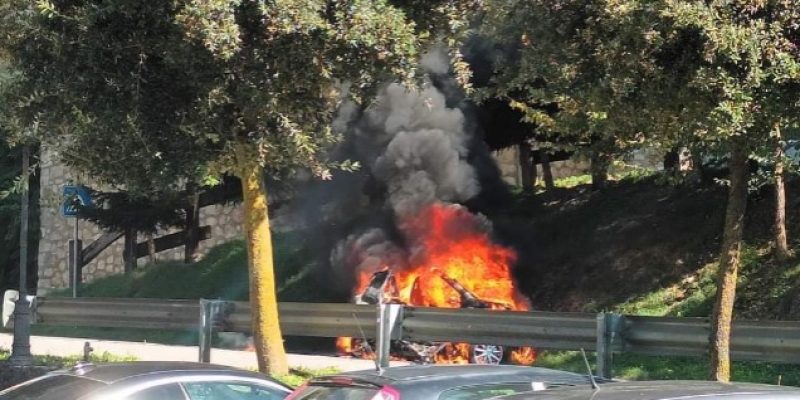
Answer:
(74, 196)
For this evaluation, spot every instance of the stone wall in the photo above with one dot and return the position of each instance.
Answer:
(225, 222)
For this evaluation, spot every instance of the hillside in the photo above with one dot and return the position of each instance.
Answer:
(644, 246)
(641, 246)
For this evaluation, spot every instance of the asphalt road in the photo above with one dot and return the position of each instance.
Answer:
(64, 347)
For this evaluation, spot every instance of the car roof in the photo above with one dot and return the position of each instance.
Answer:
(663, 390)
(113, 372)
(414, 375)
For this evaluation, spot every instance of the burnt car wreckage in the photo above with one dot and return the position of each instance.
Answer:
(383, 288)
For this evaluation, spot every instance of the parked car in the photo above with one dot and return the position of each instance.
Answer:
(149, 381)
(435, 382)
(663, 390)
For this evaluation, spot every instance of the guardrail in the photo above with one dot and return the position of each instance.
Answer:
(604, 333)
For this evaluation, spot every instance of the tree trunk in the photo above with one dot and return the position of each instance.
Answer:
(267, 337)
(729, 265)
(781, 239)
(600, 163)
(527, 167)
(547, 172)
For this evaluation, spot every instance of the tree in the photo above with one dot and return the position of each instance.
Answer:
(665, 72)
(748, 61)
(573, 55)
(145, 95)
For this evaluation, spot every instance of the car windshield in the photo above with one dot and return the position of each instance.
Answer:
(53, 387)
(335, 393)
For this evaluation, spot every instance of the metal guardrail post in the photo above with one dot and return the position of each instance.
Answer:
(213, 315)
(608, 332)
(389, 318)
(206, 330)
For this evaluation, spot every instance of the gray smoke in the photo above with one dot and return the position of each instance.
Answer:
(369, 251)
(424, 158)
(415, 144)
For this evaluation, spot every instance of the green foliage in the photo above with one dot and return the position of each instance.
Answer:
(635, 367)
(118, 211)
(661, 72)
(581, 56)
(764, 288)
(619, 172)
(152, 94)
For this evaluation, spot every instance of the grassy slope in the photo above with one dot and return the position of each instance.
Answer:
(643, 246)
(222, 273)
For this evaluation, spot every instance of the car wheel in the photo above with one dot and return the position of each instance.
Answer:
(488, 354)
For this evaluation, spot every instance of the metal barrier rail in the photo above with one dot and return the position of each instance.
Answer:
(311, 319)
(545, 330)
(775, 341)
(117, 313)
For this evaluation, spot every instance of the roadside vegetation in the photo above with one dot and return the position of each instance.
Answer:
(221, 274)
(63, 362)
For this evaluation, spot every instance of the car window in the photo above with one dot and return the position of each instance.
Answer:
(231, 391)
(171, 391)
(480, 392)
(334, 393)
(53, 387)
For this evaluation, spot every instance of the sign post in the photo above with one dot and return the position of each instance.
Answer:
(74, 198)
(21, 347)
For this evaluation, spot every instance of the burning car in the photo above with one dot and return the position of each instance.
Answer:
(383, 288)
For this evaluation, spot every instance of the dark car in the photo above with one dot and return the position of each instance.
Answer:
(435, 382)
(663, 390)
(149, 381)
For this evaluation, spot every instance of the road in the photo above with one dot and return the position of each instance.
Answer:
(64, 347)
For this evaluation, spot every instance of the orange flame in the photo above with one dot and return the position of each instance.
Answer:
(453, 353)
(448, 240)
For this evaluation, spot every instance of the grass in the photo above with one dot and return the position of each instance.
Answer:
(635, 367)
(222, 274)
(620, 172)
(63, 362)
(572, 181)
(763, 287)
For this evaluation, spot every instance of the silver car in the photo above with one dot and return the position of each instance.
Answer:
(665, 390)
(149, 381)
